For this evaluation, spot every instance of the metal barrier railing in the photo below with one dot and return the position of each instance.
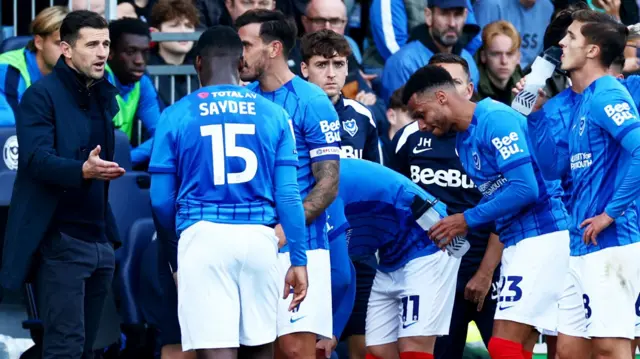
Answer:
(110, 11)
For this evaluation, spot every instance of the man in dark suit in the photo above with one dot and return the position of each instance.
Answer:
(60, 224)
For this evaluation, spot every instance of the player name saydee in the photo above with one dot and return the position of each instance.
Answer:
(227, 106)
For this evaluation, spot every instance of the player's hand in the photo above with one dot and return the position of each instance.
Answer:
(443, 232)
(282, 240)
(296, 278)
(519, 86)
(478, 288)
(326, 346)
(595, 225)
(96, 168)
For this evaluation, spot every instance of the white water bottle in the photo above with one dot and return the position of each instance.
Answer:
(542, 68)
(427, 213)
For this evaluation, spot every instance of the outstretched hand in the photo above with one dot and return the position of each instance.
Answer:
(96, 168)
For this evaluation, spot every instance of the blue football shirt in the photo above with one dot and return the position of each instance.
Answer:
(377, 206)
(549, 134)
(495, 142)
(223, 143)
(317, 133)
(606, 117)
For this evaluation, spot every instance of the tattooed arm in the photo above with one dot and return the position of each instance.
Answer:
(327, 175)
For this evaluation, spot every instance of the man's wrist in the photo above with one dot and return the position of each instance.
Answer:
(485, 272)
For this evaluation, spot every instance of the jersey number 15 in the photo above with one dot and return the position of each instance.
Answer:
(223, 145)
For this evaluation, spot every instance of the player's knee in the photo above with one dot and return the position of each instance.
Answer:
(564, 352)
(379, 352)
(292, 347)
(417, 344)
(610, 349)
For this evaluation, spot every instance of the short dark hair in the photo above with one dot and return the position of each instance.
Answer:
(219, 41)
(428, 77)
(395, 102)
(446, 58)
(127, 25)
(274, 26)
(557, 29)
(604, 31)
(325, 43)
(78, 20)
(618, 61)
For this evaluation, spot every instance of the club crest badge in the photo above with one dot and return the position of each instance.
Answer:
(350, 126)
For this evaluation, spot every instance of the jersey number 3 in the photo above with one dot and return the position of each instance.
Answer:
(223, 145)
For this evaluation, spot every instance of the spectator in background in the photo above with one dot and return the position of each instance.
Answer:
(174, 16)
(142, 8)
(499, 62)
(126, 9)
(445, 20)
(225, 12)
(22, 67)
(235, 8)
(394, 21)
(97, 6)
(332, 15)
(137, 97)
(530, 18)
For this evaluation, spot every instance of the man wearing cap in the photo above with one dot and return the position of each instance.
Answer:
(445, 20)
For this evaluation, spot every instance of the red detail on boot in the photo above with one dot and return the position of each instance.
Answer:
(505, 349)
(415, 355)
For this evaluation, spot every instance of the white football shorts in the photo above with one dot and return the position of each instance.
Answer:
(415, 300)
(602, 294)
(529, 287)
(227, 285)
(314, 314)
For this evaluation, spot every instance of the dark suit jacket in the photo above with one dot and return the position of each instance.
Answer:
(53, 132)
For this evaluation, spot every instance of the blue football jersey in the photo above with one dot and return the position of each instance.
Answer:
(495, 142)
(377, 203)
(223, 143)
(599, 163)
(317, 134)
(552, 123)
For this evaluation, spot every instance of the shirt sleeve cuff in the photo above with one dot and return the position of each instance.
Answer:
(470, 218)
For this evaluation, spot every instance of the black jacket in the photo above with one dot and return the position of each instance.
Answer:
(52, 131)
